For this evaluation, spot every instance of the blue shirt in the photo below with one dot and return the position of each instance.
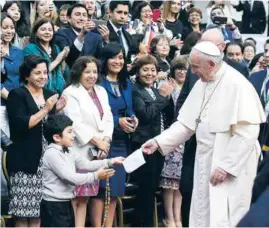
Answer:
(12, 63)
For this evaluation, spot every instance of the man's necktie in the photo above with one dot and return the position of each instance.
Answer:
(120, 38)
(225, 34)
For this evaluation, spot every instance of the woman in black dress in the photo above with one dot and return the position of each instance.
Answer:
(154, 111)
(27, 108)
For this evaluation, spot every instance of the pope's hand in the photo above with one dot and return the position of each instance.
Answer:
(218, 176)
(117, 160)
(150, 146)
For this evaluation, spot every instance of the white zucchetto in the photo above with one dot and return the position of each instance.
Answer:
(208, 48)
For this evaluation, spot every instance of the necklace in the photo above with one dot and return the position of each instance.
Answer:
(36, 96)
(110, 79)
(198, 120)
(107, 202)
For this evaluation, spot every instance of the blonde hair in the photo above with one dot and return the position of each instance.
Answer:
(33, 15)
(166, 9)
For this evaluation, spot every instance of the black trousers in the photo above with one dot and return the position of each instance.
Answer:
(186, 182)
(57, 214)
(147, 178)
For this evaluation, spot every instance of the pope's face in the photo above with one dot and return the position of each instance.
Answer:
(202, 67)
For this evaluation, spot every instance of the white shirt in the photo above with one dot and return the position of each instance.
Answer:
(77, 43)
(125, 44)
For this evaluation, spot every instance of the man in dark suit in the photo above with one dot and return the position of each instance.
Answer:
(186, 184)
(254, 16)
(260, 81)
(258, 78)
(79, 37)
(118, 15)
(258, 213)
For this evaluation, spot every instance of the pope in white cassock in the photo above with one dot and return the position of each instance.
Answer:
(224, 111)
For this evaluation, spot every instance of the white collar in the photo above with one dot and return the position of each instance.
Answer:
(114, 27)
(55, 146)
(76, 32)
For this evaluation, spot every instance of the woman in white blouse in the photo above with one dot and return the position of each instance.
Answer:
(88, 107)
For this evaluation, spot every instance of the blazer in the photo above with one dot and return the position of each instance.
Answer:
(253, 21)
(256, 80)
(191, 79)
(86, 118)
(92, 44)
(113, 37)
(112, 98)
(25, 152)
(148, 112)
(11, 70)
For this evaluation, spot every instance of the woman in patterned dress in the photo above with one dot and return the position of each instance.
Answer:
(171, 172)
(27, 107)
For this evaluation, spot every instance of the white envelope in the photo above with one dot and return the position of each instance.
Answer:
(134, 161)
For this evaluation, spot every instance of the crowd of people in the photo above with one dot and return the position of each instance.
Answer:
(85, 84)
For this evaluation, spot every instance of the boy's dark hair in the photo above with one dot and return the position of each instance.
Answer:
(114, 4)
(56, 124)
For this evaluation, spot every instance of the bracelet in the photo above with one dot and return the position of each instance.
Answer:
(109, 165)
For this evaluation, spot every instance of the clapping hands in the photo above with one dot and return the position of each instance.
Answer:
(167, 87)
(61, 103)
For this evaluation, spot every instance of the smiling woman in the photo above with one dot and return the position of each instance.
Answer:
(41, 44)
(153, 109)
(118, 87)
(11, 58)
(27, 108)
(88, 107)
(43, 9)
(14, 10)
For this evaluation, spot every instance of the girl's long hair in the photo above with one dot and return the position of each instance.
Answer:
(22, 27)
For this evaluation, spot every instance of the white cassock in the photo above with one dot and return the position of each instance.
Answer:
(226, 138)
